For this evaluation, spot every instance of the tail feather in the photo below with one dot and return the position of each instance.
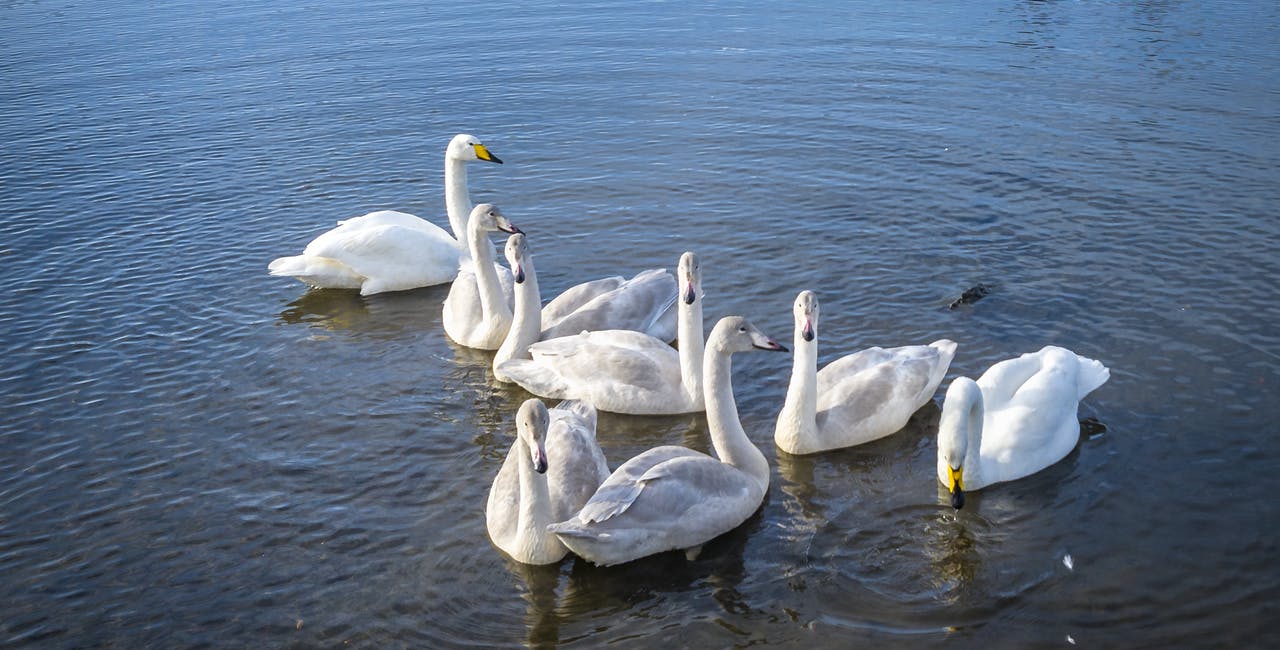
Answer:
(1091, 375)
(316, 271)
(536, 378)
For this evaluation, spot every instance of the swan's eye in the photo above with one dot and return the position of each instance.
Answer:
(742, 329)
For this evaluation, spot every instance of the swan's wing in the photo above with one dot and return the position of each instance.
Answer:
(576, 465)
(1002, 381)
(615, 370)
(661, 484)
(1055, 378)
(575, 297)
(637, 305)
(400, 257)
(852, 364)
(877, 400)
(626, 339)
(582, 411)
(863, 360)
(1036, 423)
(462, 310)
(611, 361)
(680, 503)
(390, 218)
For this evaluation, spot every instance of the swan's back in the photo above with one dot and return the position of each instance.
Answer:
(576, 465)
(575, 297)
(872, 393)
(1030, 410)
(644, 303)
(667, 498)
(621, 371)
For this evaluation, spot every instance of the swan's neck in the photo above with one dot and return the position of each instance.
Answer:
(689, 338)
(731, 443)
(535, 505)
(526, 328)
(797, 422)
(493, 305)
(960, 430)
(457, 201)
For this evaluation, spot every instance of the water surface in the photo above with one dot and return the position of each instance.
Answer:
(196, 453)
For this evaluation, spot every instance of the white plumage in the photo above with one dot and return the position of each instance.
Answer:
(857, 398)
(1017, 419)
(388, 250)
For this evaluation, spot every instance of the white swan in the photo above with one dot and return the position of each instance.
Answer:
(624, 371)
(673, 497)
(857, 398)
(480, 321)
(645, 303)
(553, 468)
(388, 250)
(1017, 419)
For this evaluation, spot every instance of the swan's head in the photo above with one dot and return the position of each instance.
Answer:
(531, 427)
(737, 334)
(806, 313)
(689, 277)
(466, 147)
(961, 418)
(517, 252)
(487, 217)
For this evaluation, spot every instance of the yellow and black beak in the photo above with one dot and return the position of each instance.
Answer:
(483, 154)
(956, 485)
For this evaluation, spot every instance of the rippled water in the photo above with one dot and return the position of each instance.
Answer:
(196, 453)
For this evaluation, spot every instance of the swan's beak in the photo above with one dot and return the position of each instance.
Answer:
(540, 461)
(483, 154)
(509, 228)
(519, 274)
(806, 332)
(770, 344)
(689, 294)
(957, 486)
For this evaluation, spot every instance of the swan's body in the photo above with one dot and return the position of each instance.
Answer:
(624, 371)
(478, 315)
(1017, 419)
(645, 303)
(672, 497)
(388, 250)
(553, 468)
(857, 398)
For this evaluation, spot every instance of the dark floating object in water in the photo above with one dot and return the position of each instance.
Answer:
(1091, 427)
(971, 295)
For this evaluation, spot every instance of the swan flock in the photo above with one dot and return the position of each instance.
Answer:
(606, 345)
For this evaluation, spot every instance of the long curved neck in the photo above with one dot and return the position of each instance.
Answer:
(526, 327)
(457, 201)
(727, 436)
(798, 417)
(689, 338)
(960, 427)
(492, 302)
(535, 501)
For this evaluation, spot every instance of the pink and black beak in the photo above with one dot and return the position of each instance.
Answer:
(689, 294)
(806, 332)
(510, 228)
(770, 344)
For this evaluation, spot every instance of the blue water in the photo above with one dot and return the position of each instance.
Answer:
(198, 454)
